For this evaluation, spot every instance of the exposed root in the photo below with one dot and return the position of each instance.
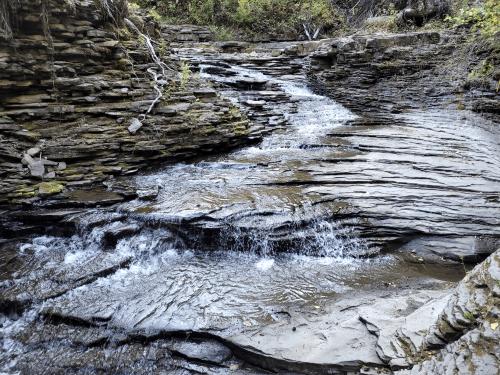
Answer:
(159, 79)
(7, 10)
(114, 10)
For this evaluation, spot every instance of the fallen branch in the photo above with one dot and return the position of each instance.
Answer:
(317, 32)
(7, 9)
(307, 32)
(114, 10)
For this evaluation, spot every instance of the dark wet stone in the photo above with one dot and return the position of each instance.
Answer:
(204, 351)
(248, 83)
(92, 198)
(114, 234)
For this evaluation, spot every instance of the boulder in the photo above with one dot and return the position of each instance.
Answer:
(418, 12)
(119, 231)
(33, 151)
(205, 351)
(465, 335)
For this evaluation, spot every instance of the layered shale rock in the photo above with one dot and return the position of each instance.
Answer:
(74, 93)
(394, 72)
(187, 33)
(464, 337)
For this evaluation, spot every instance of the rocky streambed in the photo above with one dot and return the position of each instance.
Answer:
(337, 240)
(282, 256)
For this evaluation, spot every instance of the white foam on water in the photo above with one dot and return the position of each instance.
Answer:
(264, 264)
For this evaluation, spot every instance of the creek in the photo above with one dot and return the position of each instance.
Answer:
(258, 251)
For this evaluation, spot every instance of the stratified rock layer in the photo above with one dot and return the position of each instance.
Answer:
(71, 92)
(466, 333)
(395, 72)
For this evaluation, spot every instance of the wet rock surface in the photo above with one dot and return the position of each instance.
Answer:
(263, 310)
(273, 258)
(429, 179)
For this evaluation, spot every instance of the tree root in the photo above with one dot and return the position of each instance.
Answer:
(159, 79)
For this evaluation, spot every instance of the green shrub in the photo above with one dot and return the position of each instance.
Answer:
(155, 15)
(483, 70)
(485, 18)
(251, 17)
(222, 33)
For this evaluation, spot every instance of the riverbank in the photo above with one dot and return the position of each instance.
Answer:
(306, 207)
(88, 101)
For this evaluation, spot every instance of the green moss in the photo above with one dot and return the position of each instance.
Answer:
(144, 210)
(49, 188)
(234, 112)
(24, 192)
(469, 316)
(241, 130)
(185, 74)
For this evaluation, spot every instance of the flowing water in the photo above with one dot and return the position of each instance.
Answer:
(170, 279)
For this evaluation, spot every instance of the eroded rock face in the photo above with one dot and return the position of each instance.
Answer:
(464, 338)
(71, 95)
(395, 72)
(187, 33)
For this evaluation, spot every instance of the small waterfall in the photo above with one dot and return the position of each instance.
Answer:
(320, 238)
(233, 181)
(312, 118)
(227, 210)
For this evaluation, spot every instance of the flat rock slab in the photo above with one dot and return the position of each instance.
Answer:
(433, 176)
(186, 294)
(205, 351)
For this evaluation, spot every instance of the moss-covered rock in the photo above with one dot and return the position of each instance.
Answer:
(49, 188)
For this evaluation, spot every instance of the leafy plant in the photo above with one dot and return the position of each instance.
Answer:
(469, 316)
(251, 17)
(133, 7)
(222, 33)
(485, 18)
(156, 16)
(185, 74)
(485, 69)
